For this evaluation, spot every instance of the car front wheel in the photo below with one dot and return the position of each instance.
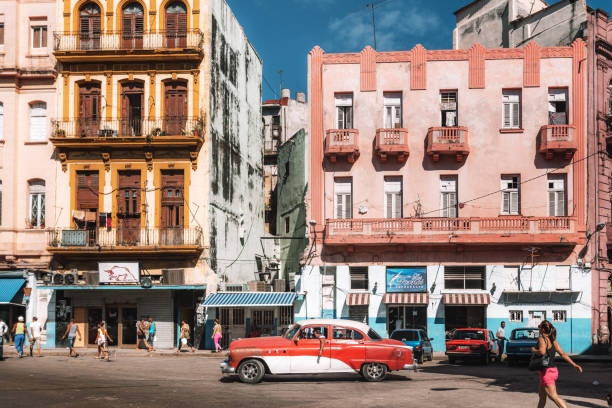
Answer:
(374, 371)
(421, 358)
(251, 371)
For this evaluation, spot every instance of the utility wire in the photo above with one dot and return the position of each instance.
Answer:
(275, 92)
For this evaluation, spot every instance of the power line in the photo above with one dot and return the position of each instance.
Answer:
(270, 86)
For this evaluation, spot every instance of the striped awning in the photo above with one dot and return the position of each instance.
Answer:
(406, 298)
(247, 299)
(466, 299)
(9, 287)
(358, 299)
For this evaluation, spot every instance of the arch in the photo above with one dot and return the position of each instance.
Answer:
(119, 13)
(162, 16)
(175, 25)
(76, 13)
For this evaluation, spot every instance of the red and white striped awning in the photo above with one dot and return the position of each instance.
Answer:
(358, 299)
(466, 299)
(406, 298)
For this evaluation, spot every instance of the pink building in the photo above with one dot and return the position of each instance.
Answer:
(27, 171)
(447, 189)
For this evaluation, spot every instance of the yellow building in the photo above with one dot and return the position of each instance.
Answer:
(158, 145)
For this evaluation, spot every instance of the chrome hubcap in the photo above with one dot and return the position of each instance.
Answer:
(374, 370)
(250, 370)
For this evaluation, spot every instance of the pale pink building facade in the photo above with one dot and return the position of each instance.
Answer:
(460, 171)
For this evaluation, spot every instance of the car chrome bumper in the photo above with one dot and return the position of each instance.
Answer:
(410, 367)
(226, 368)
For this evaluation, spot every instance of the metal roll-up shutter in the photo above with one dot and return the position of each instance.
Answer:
(160, 306)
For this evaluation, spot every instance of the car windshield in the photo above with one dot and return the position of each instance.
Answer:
(290, 333)
(405, 335)
(525, 334)
(373, 335)
(469, 335)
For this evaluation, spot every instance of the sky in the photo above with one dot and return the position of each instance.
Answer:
(284, 31)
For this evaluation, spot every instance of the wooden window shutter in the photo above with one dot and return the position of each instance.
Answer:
(182, 23)
(127, 25)
(171, 22)
(96, 26)
(84, 24)
(139, 24)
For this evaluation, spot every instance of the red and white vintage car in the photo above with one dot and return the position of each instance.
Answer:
(318, 346)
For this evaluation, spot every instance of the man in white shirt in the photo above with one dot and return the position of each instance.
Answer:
(35, 329)
(3, 331)
(501, 338)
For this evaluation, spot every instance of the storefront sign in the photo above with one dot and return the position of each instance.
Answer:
(119, 272)
(409, 279)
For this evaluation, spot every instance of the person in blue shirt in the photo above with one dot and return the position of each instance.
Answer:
(151, 334)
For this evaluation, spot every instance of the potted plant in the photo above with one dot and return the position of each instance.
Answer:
(60, 133)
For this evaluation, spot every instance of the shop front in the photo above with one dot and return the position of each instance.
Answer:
(406, 298)
(463, 310)
(12, 303)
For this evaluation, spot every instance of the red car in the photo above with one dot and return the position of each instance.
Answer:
(315, 347)
(472, 343)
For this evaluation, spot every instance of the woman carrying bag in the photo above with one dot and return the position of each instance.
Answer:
(543, 360)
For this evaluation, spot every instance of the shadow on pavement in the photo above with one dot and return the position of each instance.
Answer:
(314, 378)
(583, 404)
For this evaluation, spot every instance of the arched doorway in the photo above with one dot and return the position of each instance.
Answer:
(89, 26)
(133, 26)
(89, 109)
(132, 102)
(176, 25)
(175, 107)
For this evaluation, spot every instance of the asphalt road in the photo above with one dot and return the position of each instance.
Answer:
(193, 381)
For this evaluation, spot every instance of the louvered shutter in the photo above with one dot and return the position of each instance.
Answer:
(1, 121)
(452, 205)
(515, 115)
(552, 204)
(505, 202)
(138, 24)
(397, 206)
(514, 202)
(339, 118)
(348, 206)
(127, 25)
(560, 203)
(182, 23)
(38, 121)
(388, 205)
(84, 23)
(339, 203)
(507, 113)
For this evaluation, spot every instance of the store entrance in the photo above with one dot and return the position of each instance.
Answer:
(406, 317)
(458, 317)
(120, 324)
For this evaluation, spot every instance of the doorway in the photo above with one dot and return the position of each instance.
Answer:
(128, 205)
(458, 317)
(264, 319)
(133, 26)
(175, 107)
(233, 323)
(406, 317)
(132, 101)
(89, 109)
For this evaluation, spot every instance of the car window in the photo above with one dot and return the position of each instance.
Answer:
(373, 335)
(469, 335)
(342, 333)
(291, 331)
(524, 334)
(313, 332)
(405, 335)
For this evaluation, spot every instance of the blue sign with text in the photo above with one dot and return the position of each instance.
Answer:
(408, 279)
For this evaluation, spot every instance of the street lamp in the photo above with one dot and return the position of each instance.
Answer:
(598, 228)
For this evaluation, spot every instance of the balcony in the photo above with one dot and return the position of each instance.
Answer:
(448, 141)
(139, 241)
(93, 133)
(76, 46)
(342, 143)
(392, 142)
(271, 147)
(448, 231)
(557, 139)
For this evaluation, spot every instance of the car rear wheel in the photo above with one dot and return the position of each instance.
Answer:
(421, 358)
(251, 371)
(374, 371)
(430, 358)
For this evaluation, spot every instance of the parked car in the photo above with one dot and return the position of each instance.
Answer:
(470, 344)
(520, 344)
(418, 340)
(318, 346)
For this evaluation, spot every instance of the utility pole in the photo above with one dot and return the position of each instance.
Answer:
(371, 5)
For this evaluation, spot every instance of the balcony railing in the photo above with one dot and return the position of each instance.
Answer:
(449, 141)
(445, 230)
(271, 146)
(342, 142)
(120, 128)
(392, 142)
(123, 237)
(557, 139)
(128, 41)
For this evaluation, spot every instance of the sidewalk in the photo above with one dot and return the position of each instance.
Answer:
(439, 355)
(9, 351)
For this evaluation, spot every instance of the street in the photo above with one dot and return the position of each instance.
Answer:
(186, 381)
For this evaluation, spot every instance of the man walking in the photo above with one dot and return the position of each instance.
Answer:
(151, 338)
(3, 331)
(20, 331)
(35, 329)
(501, 338)
(72, 330)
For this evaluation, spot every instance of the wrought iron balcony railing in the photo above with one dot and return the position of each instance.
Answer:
(123, 237)
(127, 41)
(118, 128)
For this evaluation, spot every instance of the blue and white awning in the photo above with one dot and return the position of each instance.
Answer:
(249, 299)
(9, 289)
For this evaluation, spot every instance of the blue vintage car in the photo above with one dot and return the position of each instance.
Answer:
(418, 340)
(520, 344)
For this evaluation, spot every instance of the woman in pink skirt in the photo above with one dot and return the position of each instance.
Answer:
(217, 335)
(547, 345)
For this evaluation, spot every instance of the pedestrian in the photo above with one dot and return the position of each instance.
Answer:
(102, 340)
(35, 329)
(3, 332)
(151, 338)
(217, 334)
(185, 337)
(72, 330)
(142, 333)
(20, 332)
(548, 346)
(501, 341)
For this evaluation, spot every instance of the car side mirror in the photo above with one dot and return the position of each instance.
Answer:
(296, 340)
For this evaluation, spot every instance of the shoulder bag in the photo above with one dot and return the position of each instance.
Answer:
(538, 362)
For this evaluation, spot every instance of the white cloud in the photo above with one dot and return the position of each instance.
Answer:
(394, 23)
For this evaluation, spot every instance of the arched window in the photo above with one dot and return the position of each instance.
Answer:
(36, 190)
(176, 25)
(133, 25)
(1, 120)
(38, 121)
(89, 26)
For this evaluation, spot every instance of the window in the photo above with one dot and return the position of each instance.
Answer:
(343, 196)
(448, 196)
(448, 108)
(238, 315)
(344, 111)
(556, 195)
(559, 316)
(393, 110)
(37, 203)
(393, 197)
(536, 317)
(511, 103)
(1, 120)
(38, 121)
(516, 316)
(557, 106)
(307, 333)
(464, 277)
(285, 315)
(1, 33)
(263, 318)
(287, 224)
(39, 36)
(510, 203)
(359, 277)
(342, 333)
(610, 101)
(233, 288)
(359, 313)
